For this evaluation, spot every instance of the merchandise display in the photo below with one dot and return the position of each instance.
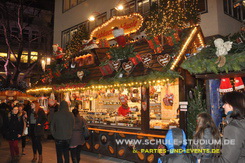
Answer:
(121, 107)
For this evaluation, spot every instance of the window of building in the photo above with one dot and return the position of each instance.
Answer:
(14, 31)
(68, 33)
(35, 36)
(68, 4)
(237, 12)
(100, 19)
(26, 35)
(202, 6)
(143, 6)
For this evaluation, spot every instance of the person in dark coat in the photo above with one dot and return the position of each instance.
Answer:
(37, 119)
(77, 139)
(208, 132)
(61, 129)
(13, 129)
(234, 106)
(23, 115)
(176, 143)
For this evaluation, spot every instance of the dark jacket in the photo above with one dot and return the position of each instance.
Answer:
(13, 126)
(77, 135)
(176, 139)
(62, 123)
(207, 136)
(39, 125)
(235, 130)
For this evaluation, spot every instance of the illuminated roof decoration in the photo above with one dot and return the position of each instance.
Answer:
(130, 23)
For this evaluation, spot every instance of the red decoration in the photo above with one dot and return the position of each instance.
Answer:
(170, 41)
(127, 66)
(238, 83)
(134, 60)
(225, 85)
(154, 44)
(106, 69)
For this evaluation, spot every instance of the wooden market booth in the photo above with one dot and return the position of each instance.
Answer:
(149, 85)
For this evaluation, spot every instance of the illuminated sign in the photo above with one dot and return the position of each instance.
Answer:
(130, 23)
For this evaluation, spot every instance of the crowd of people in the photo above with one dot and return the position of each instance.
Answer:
(19, 120)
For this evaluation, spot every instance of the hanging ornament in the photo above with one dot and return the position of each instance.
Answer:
(146, 59)
(51, 100)
(238, 83)
(128, 66)
(116, 64)
(225, 85)
(80, 75)
(163, 59)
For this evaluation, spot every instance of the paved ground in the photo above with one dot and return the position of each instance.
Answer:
(49, 155)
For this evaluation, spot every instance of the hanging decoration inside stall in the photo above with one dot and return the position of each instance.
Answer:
(238, 83)
(225, 85)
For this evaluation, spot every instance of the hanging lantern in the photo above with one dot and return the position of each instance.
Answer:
(225, 85)
(238, 83)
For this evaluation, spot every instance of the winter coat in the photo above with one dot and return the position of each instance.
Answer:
(77, 133)
(39, 125)
(62, 123)
(207, 136)
(13, 126)
(235, 130)
(176, 139)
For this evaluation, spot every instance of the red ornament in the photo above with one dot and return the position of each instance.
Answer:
(238, 83)
(225, 85)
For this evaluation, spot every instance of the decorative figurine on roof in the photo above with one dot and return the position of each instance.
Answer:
(89, 44)
(118, 33)
(222, 49)
(57, 51)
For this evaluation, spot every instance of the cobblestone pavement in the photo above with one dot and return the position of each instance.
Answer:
(49, 154)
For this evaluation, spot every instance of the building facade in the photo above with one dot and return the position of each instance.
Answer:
(218, 17)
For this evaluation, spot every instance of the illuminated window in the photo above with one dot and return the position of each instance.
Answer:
(68, 4)
(67, 34)
(237, 12)
(143, 6)
(24, 57)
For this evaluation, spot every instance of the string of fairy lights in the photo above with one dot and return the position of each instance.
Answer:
(169, 15)
(98, 87)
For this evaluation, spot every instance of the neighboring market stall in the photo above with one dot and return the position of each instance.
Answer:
(126, 81)
(11, 94)
(222, 67)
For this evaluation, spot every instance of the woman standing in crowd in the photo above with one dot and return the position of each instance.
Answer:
(23, 115)
(37, 119)
(205, 130)
(77, 139)
(13, 130)
(234, 106)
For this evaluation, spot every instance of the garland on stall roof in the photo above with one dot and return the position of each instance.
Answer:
(154, 75)
(204, 61)
(169, 76)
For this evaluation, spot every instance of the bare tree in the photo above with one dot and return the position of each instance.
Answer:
(21, 15)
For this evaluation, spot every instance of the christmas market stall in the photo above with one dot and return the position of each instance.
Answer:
(221, 66)
(125, 79)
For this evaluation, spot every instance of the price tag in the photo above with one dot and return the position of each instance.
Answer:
(157, 127)
(121, 124)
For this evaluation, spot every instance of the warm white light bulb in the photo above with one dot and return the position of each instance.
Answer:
(91, 18)
(120, 7)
